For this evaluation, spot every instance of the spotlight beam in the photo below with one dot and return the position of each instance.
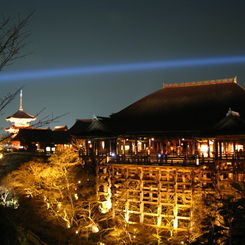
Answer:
(112, 68)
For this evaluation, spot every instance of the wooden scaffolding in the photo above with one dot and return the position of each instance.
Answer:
(162, 196)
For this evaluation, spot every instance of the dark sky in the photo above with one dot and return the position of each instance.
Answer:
(103, 40)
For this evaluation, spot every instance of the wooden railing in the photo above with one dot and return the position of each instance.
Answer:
(140, 159)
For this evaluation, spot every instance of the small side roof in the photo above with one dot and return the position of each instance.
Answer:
(95, 128)
(80, 125)
(231, 124)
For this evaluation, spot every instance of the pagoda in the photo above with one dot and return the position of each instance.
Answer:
(19, 120)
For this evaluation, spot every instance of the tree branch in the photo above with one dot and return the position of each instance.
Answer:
(12, 39)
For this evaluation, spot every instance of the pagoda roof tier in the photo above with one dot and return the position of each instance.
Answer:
(21, 114)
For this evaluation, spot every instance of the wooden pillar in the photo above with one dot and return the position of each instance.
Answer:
(216, 149)
(220, 149)
(136, 145)
(124, 142)
(175, 211)
(208, 147)
(159, 200)
(111, 174)
(127, 199)
(193, 146)
(234, 148)
(141, 196)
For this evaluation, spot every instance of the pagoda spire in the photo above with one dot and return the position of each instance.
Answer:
(21, 108)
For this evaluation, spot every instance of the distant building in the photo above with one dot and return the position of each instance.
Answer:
(19, 119)
(26, 137)
(42, 140)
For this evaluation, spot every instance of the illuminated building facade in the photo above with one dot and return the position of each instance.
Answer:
(158, 155)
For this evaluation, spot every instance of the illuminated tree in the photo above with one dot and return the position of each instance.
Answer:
(63, 191)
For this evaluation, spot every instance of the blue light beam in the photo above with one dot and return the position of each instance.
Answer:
(27, 75)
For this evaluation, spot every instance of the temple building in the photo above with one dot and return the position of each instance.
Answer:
(156, 157)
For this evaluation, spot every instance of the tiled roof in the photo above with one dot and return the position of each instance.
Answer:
(97, 127)
(80, 125)
(183, 108)
(231, 124)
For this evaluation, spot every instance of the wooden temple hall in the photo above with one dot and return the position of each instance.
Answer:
(156, 157)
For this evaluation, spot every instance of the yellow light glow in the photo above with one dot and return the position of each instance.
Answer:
(127, 217)
(197, 161)
(106, 206)
(175, 224)
(204, 148)
(95, 229)
(239, 147)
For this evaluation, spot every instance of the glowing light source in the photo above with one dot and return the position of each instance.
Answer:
(204, 148)
(105, 206)
(122, 67)
(175, 223)
(95, 229)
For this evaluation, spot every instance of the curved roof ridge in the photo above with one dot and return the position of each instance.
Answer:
(21, 114)
(199, 83)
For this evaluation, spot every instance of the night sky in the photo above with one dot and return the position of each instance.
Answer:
(97, 57)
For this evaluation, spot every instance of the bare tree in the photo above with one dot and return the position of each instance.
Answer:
(13, 38)
(7, 99)
(46, 120)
